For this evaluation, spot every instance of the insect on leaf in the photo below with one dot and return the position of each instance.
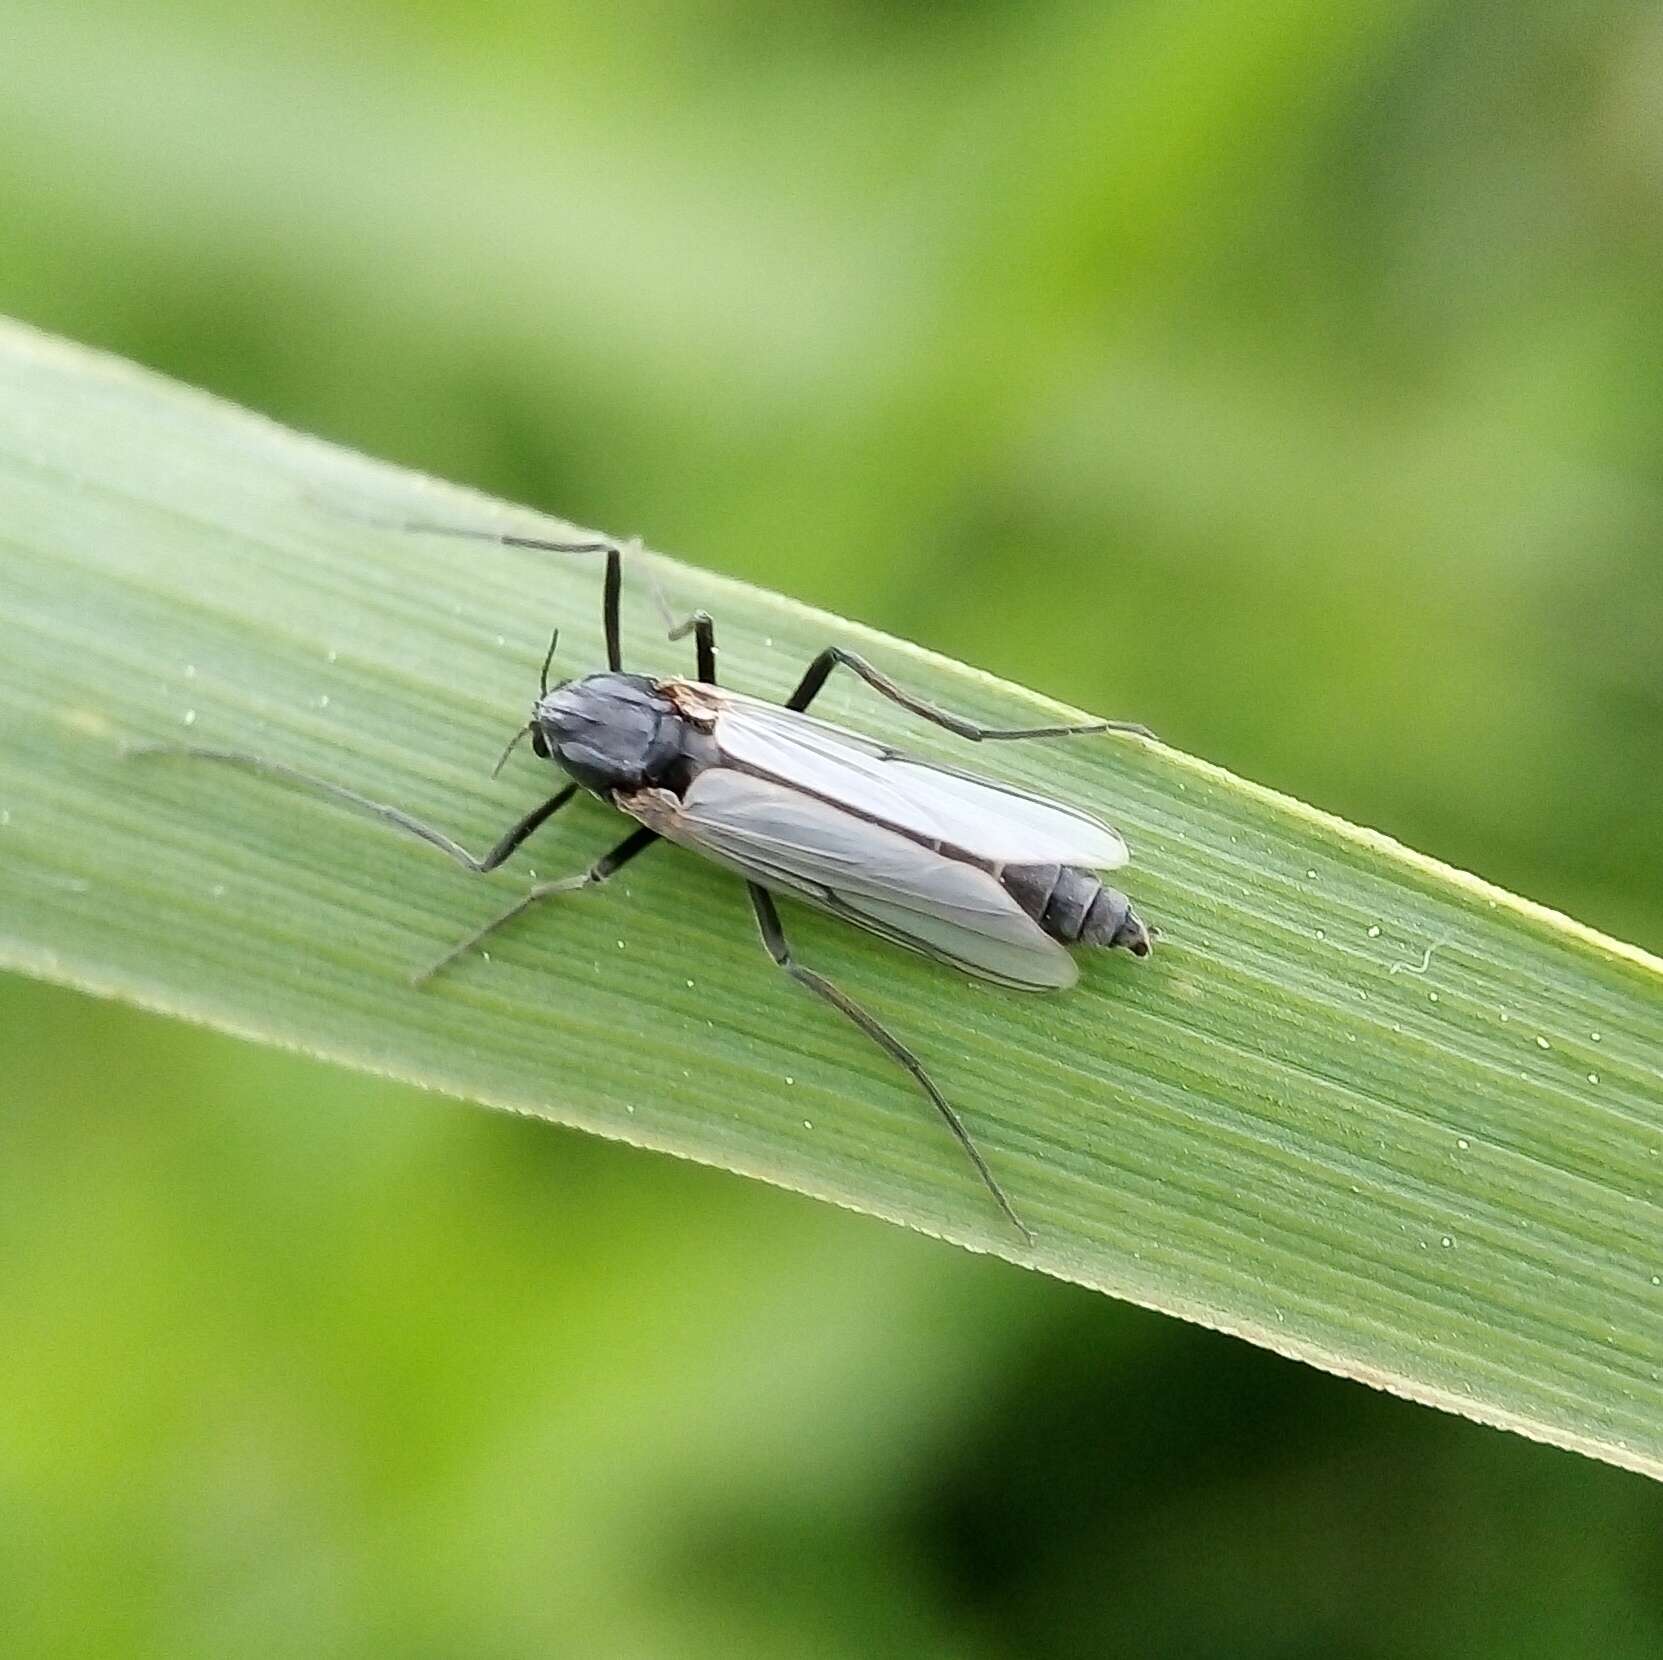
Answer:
(1359, 1108)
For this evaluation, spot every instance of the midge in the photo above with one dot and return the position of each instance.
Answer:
(986, 877)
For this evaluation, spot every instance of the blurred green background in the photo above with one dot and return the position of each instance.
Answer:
(1284, 374)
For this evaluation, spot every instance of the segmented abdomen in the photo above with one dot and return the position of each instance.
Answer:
(1074, 906)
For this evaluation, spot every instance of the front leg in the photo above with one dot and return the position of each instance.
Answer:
(506, 844)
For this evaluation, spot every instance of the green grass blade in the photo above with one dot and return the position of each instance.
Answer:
(1359, 1108)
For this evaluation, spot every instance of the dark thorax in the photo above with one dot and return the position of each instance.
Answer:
(614, 733)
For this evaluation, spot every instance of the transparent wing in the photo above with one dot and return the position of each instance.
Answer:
(872, 875)
(986, 820)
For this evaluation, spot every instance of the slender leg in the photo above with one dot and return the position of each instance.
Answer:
(542, 544)
(512, 539)
(698, 624)
(613, 550)
(609, 609)
(808, 689)
(506, 844)
(611, 592)
(597, 873)
(773, 938)
(703, 631)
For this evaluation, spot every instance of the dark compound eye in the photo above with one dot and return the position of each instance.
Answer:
(539, 745)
